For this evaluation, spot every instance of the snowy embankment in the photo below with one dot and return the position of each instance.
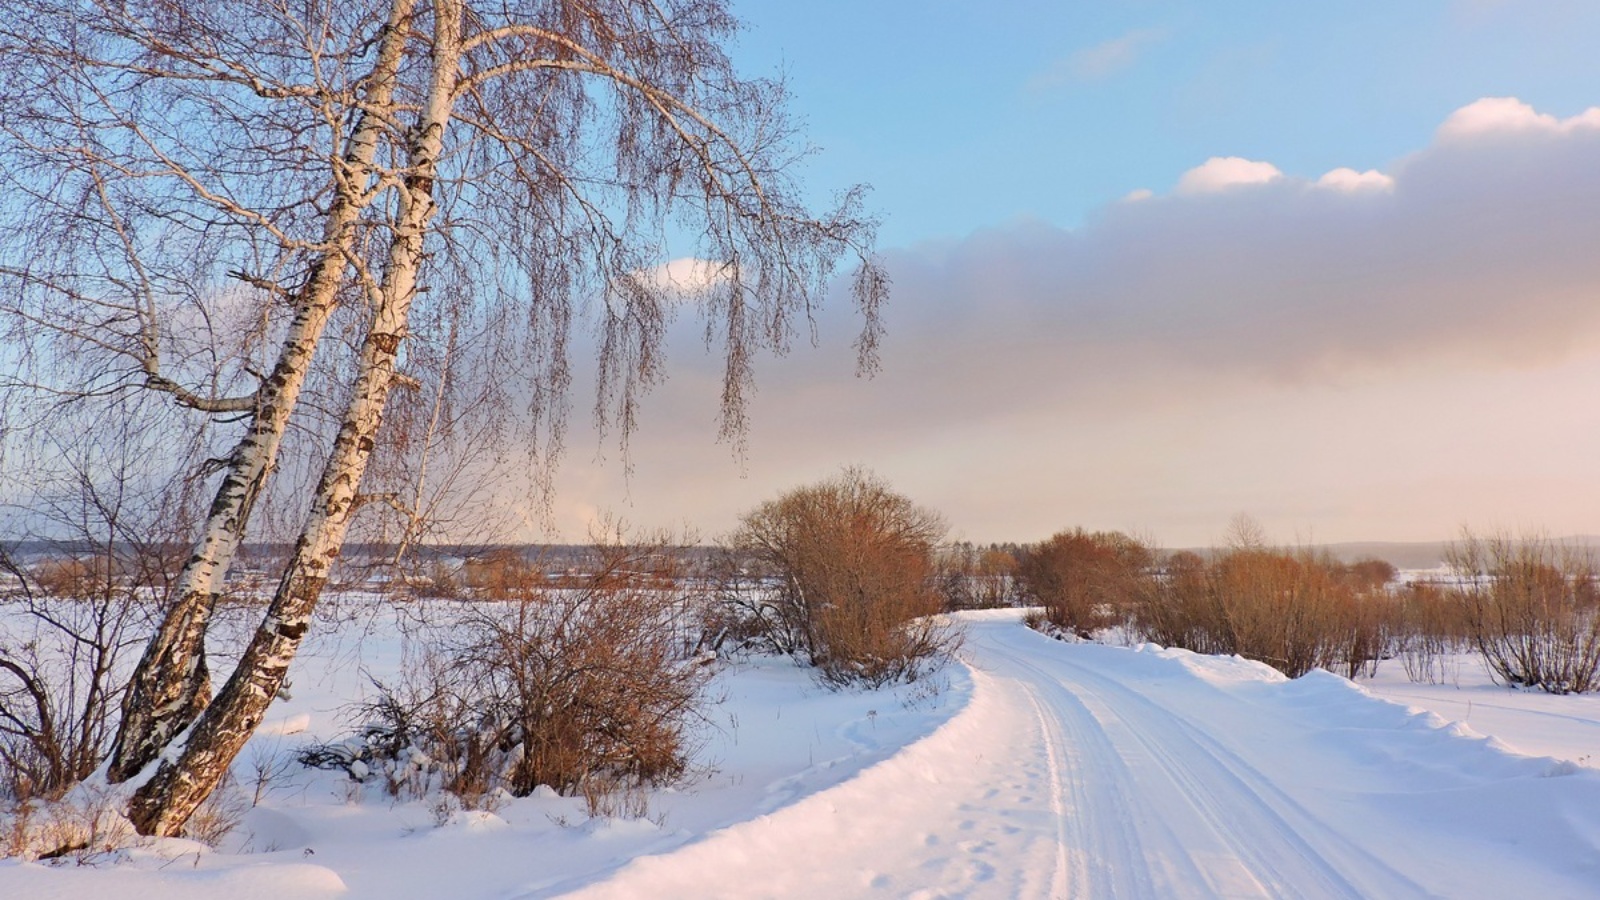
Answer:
(1044, 770)
(771, 735)
(1091, 771)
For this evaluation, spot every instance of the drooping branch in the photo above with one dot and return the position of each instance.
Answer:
(533, 159)
(170, 685)
(163, 804)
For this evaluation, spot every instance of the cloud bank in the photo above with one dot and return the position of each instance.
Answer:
(1479, 249)
(1470, 259)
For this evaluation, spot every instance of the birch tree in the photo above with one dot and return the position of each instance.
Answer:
(516, 162)
(153, 138)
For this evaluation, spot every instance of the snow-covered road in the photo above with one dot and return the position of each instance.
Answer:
(1086, 771)
(1046, 770)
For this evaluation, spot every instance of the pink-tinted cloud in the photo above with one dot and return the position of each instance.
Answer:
(1164, 358)
(1220, 173)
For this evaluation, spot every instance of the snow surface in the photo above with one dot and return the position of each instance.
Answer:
(1042, 769)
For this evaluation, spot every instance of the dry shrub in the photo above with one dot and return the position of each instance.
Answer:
(501, 574)
(75, 577)
(737, 617)
(1432, 629)
(1295, 610)
(976, 578)
(1370, 574)
(1085, 581)
(83, 825)
(218, 814)
(62, 645)
(586, 689)
(440, 580)
(1184, 610)
(77, 600)
(1532, 609)
(1367, 620)
(850, 576)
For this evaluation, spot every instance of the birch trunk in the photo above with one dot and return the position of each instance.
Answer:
(170, 686)
(164, 803)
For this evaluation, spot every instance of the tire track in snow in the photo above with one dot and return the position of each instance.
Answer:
(1056, 781)
(1343, 860)
(1058, 807)
(1244, 835)
(1146, 858)
(1099, 845)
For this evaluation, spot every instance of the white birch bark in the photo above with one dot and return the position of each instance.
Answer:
(171, 683)
(164, 803)
(665, 143)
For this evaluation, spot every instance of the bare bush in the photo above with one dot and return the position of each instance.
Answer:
(586, 689)
(1183, 609)
(85, 825)
(219, 814)
(1085, 581)
(1532, 609)
(737, 616)
(501, 574)
(61, 683)
(1431, 630)
(84, 579)
(1294, 610)
(978, 578)
(1370, 574)
(73, 576)
(850, 576)
(58, 693)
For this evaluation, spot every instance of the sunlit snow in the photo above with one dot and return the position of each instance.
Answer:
(1037, 769)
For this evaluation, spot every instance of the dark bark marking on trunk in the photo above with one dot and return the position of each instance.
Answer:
(388, 343)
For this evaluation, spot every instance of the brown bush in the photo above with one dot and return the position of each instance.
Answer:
(1370, 574)
(1182, 609)
(851, 585)
(584, 689)
(501, 574)
(1294, 610)
(75, 578)
(977, 578)
(1085, 581)
(63, 647)
(1532, 609)
(1432, 628)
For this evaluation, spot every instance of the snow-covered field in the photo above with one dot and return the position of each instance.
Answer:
(1042, 769)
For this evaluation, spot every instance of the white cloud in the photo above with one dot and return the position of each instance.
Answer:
(1470, 256)
(1351, 181)
(1475, 249)
(1116, 54)
(687, 277)
(1220, 173)
(1492, 115)
(1349, 349)
(1101, 60)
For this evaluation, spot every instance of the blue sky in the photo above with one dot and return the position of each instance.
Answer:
(1356, 297)
(963, 115)
(1156, 263)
